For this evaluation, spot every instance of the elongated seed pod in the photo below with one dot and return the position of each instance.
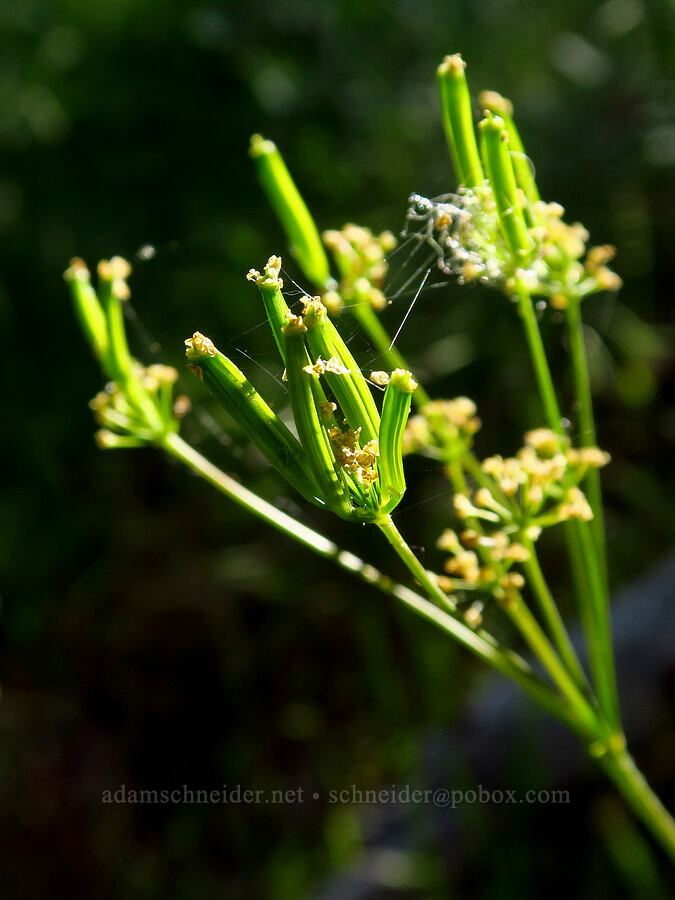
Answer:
(500, 106)
(292, 211)
(113, 291)
(458, 121)
(270, 284)
(395, 410)
(88, 310)
(503, 182)
(311, 430)
(278, 313)
(350, 388)
(241, 400)
(123, 368)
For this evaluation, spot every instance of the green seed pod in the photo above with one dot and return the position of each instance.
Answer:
(113, 290)
(458, 121)
(123, 368)
(292, 211)
(349, 387)
(88, 310)
(270, 284)
(241, 400)
(311, 431)
(500, 106)
(503, 182)
(395, 410)
(278, 313)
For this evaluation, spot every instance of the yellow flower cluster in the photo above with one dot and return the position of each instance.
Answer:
(360, 257)
(537, 487)
(480, 562)
(359, 461)
(465, 233)
(443, 429)
(559, 270)
(119, 417)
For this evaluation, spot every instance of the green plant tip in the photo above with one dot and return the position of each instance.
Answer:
(403, 381)
(458, 120)
(291, 210)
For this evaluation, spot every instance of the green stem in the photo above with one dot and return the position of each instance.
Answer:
(586, 423)
(483, 646)
(570, 680)
(599, 630)
(542, 371)
(551, 614)
(620, 767)
(412, 563)
(593, 545)
(617, 764)
(586, 570)
(528, 626)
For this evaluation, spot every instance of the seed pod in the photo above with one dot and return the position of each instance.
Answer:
(351, 389)
(88, 310)
(241, 400)
(503, 182)
(500, 106)
(458, 121)
(292, 211)
(395, 410)
(270, 284)
(113, 290)
(278, 314)
(123, 368)
(311, 431)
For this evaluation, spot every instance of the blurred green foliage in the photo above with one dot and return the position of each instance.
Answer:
(154, 635)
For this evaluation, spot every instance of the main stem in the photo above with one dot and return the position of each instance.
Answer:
(586, 422)
(482, 645)
(542, 371)
(620, 767)
(617, 764)
(505, 661)
(586, 569)
(551, 614)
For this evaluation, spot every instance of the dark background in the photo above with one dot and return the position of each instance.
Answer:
(154, 634)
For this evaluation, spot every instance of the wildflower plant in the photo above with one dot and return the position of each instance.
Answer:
(345, 451)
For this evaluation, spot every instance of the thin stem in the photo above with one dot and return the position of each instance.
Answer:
(542, 371)
(519, 613)
(620, 767)
(506, 662)
(586, 571)
(593, 550)
(551, 614)
(412, 563)
(586, 422)
(528, 626)
(536, 581)
(599, 631)
(484, 645)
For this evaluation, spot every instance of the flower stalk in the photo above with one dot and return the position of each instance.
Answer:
(348, 455)
(292, 210)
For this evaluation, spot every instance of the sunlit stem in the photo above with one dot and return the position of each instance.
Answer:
(586, 571)
(586, 423)
(506, 662)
